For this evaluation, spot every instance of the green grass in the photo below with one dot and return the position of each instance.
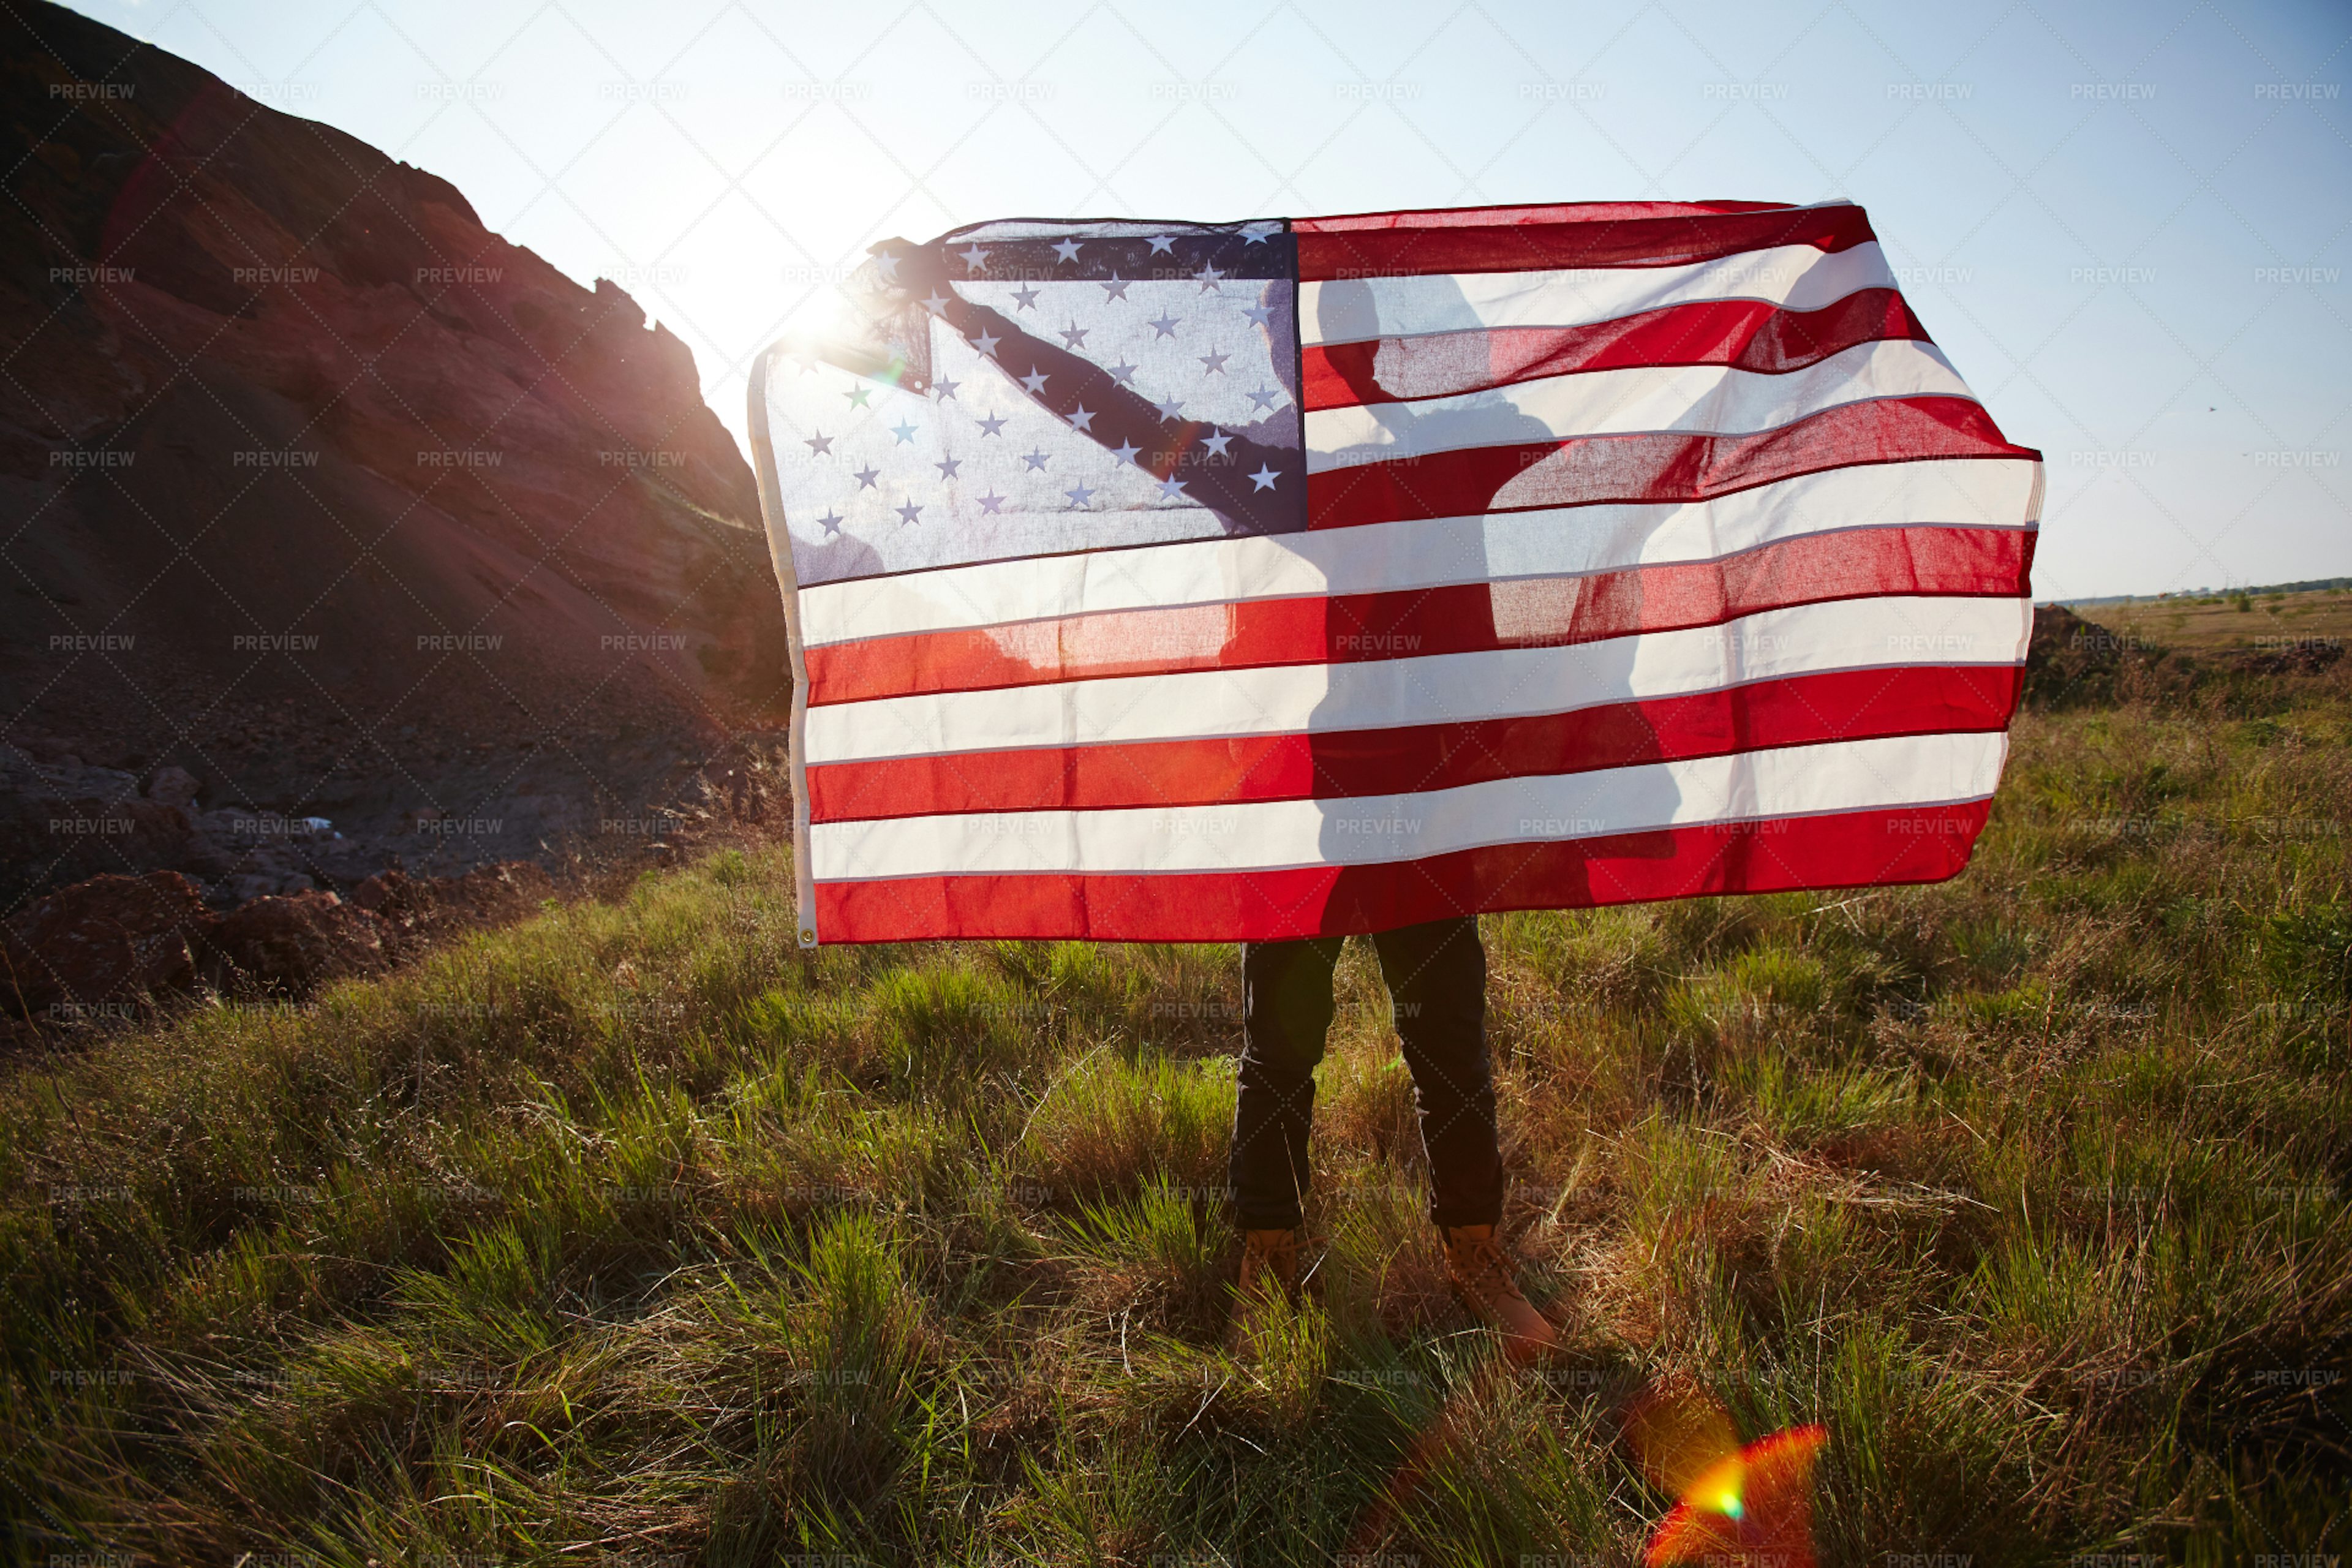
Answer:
(635, 1235)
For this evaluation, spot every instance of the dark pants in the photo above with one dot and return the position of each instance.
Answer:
(1436, 976)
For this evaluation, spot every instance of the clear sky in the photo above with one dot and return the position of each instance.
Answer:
(2125, 223)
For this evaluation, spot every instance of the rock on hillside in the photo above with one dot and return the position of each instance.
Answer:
(335, 502)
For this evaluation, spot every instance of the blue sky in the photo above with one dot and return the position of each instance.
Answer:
(2127, 224)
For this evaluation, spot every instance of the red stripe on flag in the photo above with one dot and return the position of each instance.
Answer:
(1867, 848)
(1410, 245)
(1655, 467)
(1465, 617)
(1549, 211)
(1743, 334)
(1841, 705)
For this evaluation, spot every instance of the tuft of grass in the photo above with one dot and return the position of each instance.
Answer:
(1113, 1123)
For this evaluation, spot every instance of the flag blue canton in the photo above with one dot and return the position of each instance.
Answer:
(1027, 388)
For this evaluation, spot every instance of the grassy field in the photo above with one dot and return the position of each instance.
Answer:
(2259, 622)
(632, 1234)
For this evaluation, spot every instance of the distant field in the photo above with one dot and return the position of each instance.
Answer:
(2234, 621)
(635, 1235)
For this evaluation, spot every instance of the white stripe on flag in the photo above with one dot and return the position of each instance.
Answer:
(1747, 786)
(1795, 277)
(1699, 399)
(1854, 634)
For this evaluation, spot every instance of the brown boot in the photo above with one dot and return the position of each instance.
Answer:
(1269, 1272)
(1485, 1279)
(1269, 1261)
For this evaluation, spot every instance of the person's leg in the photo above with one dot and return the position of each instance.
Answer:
(1436, 976)
(1285, 1013)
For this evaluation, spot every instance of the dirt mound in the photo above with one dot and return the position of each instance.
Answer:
(113, 948)
(97, 948)
(290, 944)
(2073, 662)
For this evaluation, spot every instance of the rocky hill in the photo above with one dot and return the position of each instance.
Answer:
(333, 528)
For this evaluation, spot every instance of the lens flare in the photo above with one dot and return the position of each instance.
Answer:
(1718, 1485)
(1738, 1505)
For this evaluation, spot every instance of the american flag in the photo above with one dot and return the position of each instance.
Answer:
(1204, 582)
